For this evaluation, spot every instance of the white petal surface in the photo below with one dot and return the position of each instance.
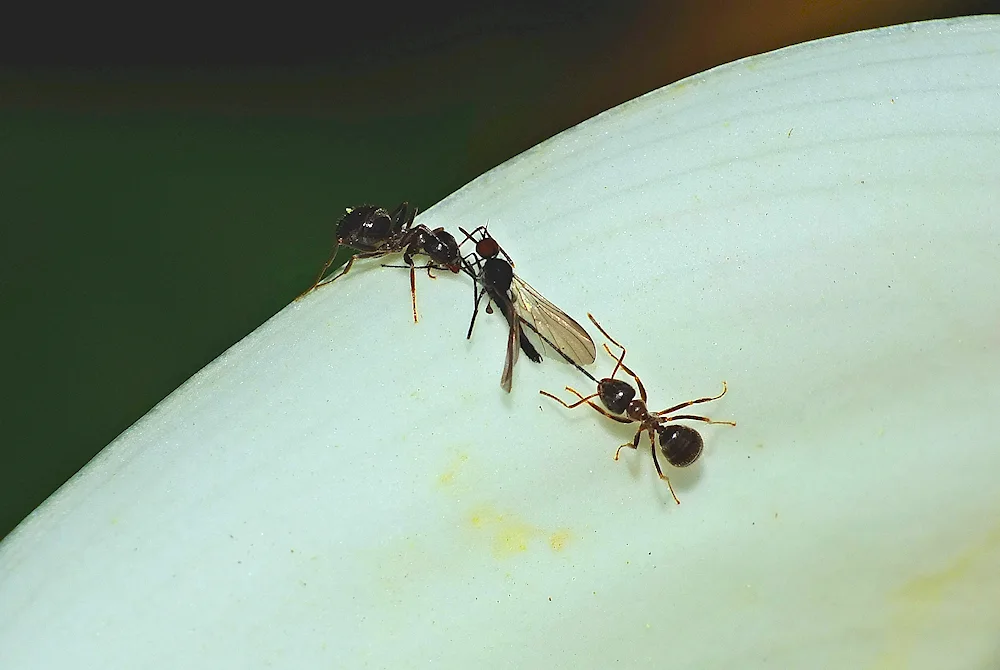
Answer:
(819, 226)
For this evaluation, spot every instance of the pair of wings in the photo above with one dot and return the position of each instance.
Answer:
(556, 328)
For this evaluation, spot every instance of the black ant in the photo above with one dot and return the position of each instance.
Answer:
(376, 232)
(681, 445)
(521, 304)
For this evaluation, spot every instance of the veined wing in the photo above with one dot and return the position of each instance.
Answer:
(553, 324)
(513, 337)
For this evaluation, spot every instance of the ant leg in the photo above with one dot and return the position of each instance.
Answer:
(564, 403)
(408, 260)
(634, 444)
(402, 217)
(475, 310)
(322, 271)
(509, 259)
(692, 417)
(413, 292)
(618, 360)
(614, 417)
(468, 235)
(619, 419)
(323, 282)
(642, 389)
(472, 268)
(656, 462)
(692, 402)
(347, 268)
(604, 332)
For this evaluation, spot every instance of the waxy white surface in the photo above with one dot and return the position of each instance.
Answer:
(817, 226)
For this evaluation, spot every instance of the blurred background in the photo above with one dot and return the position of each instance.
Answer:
(168, 181)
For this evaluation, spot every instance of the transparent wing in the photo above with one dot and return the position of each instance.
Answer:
(556, 326)
(506, 379)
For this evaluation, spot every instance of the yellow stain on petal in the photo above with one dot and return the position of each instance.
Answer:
(509, 535)
(558, 540)
(506, 533)
(447, 478)
(512, 539)
(928, 590)
(924, 601)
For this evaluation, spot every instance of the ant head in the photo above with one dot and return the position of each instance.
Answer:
(487, 247)
(679, 444)
(615, 394)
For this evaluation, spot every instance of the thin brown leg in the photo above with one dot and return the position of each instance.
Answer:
(604, 332)
(656, 462)
(319, 277)
(619, 419)
(347, 268)
(586, 399)
(615, 417)
(413, 292)
(564, 403)
(634, 444)
(692, 402)
(642, 389)
(693, 417)
(618, 359)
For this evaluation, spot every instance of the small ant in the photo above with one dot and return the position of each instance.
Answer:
(376, 232)
(681, 445)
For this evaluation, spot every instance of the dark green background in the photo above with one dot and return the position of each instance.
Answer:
(158, 205)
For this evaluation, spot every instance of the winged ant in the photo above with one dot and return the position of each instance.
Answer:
(492, 271)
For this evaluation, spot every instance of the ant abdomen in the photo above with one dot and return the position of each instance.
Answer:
(679, 444)
(366, 228)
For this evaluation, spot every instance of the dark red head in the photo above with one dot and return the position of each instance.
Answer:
(488, 248)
